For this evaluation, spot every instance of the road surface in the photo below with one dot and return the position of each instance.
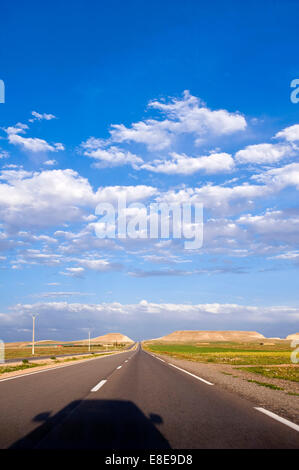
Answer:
(131, 400)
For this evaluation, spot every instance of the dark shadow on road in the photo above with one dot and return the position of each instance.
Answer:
(96, 424)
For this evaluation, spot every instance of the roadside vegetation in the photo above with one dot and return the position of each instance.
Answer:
(285, 373)
(6, 369)
(226, 353)
(264, 384)
(29, 365)
(79, 358)
(59, 349)
(259, 359)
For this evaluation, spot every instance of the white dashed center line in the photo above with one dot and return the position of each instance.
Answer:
(98, 386)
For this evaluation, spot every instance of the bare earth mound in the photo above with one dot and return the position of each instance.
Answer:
(110, 338)
(193, 336)
(294, 336)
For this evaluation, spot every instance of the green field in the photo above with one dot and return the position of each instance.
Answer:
(29, 365)
(4, 370)
(41, 351)
(226, 352)
(263, 384)
(285, 373)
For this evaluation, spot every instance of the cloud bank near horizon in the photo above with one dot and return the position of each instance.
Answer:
(64, 320)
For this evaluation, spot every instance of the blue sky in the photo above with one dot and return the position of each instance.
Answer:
(163, 101)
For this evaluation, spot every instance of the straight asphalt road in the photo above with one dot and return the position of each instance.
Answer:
(131, 400)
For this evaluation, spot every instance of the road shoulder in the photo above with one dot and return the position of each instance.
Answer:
(232, 379)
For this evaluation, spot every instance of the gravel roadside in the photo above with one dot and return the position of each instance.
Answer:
(277, 401)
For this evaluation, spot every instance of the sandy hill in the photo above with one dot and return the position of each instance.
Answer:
(293, 336)
(193, 336)
(17, 344)
(46, 341)
(110, 338)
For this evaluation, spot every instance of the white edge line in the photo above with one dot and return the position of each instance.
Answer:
(58, 367)
(192, 375)
(159, 358)
(183, 370)
(278, 418)
(98, 386)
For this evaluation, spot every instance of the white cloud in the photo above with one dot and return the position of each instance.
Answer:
(12, 166)
(29, 198)
(50, 162)
(191, 115)
(264, 153)
(280, 178)
(62, 294)
(290, 256)
(166, 258)
(100, 265)
(218, 198)
(163, 272)
(187, 115)
(290, 134)
(3, 154)
(152, 133)
(130, 193)
(13, 175)
(39, 117)
(28, 143)
(76, 315)
(33, 257)
(273, 223)
(74, 272)
(36, 238)
(19, 128)
(34, 144)
(182, 164)
(109, 157)
(43, 198)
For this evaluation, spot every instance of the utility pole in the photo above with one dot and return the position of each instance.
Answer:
(33, 332)
(89, 340)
